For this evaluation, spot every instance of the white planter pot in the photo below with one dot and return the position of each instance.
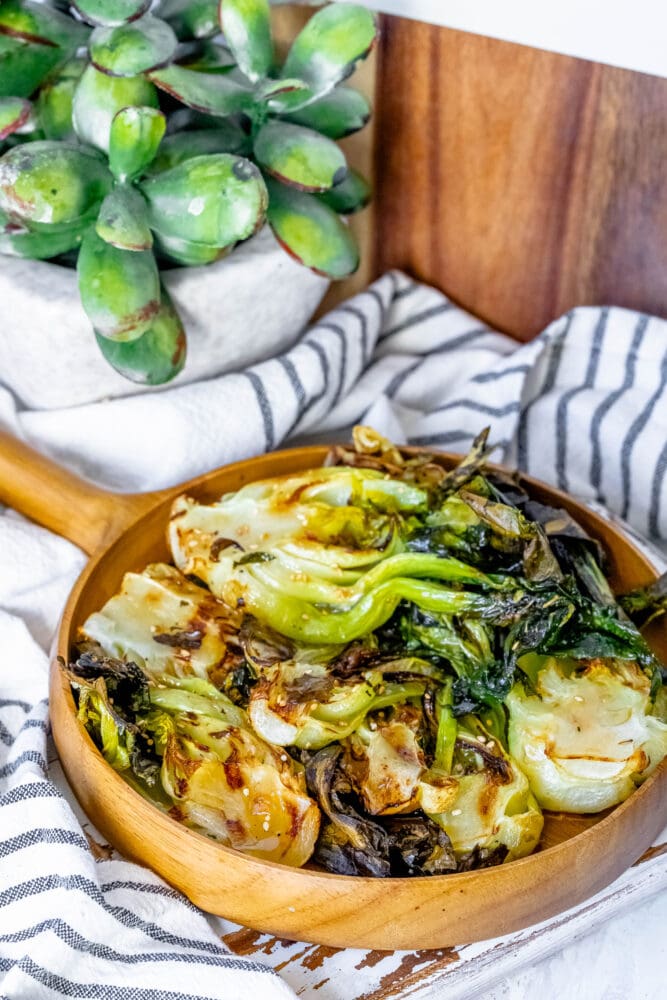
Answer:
(240, 310)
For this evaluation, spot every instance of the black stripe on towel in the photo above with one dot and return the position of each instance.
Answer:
(15, 703)
(28, 756)
(30, 790)
(453, 342)
(342, 338)
(149, 888)
(408, 289)
(636, 428)
(613, 397)
(93, 991)
(43, 835)
(374, 294)
(549, 382)
(656, 494)
(483, 408)
(264, 407)
(421, 317)
(34, 724)
(414, 365)
(79, 943)
(567, 397)
(496, 376)
(128, 918)
(324, 365)
(400, 377)
(299, 391)
(363, 329)
(444, 437)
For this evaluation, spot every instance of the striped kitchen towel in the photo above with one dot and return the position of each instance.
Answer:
(583, 406)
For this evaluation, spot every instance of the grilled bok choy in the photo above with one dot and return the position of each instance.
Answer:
(583, 732)
(163, 622)
(187, 740)
(380, 665)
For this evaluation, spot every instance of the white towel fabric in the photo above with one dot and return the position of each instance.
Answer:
(583, 406)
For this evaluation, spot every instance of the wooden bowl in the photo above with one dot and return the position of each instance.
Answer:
(578, 855)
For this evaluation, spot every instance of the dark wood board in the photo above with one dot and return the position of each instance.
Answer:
(520, 182)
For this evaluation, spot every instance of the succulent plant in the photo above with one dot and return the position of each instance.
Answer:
(137, 140)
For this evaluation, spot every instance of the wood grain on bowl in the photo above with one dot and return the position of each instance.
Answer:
(579, 857)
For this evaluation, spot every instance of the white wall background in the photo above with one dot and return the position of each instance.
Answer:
(628, 33)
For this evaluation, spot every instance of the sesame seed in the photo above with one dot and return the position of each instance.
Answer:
(246, 791)
(291, 909)
(456, 812)
(265, 825)
(578, 697)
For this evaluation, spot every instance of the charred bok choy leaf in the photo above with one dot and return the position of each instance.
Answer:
(385, 760)
(325, 555)
(217, 775)
(646, 603)
(353, 844)
(310, 696)
(583, 731)
(167, 624)
(493, 815)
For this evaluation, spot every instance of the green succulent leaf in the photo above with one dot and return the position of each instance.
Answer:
(120, 289)
(111, 13)
(182, 146)
(48, 184)
(133, 48)
(281, 96)
(34, 40)
(17, 241)
(54, 104)
(14, 115)
(136, 133)
(98, 98)
(327, 50)
(155, 357)
(310, 232)
(216, 200)
(208, 57)
(23, 65)
(351, 195)
(299, 157)
(40, 24)
(247, 28)
(214, 93)
(191, 18)
(122, 221)
(339, 113)
(187, 252)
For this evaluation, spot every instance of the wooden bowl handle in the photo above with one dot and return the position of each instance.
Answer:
(78, 510)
